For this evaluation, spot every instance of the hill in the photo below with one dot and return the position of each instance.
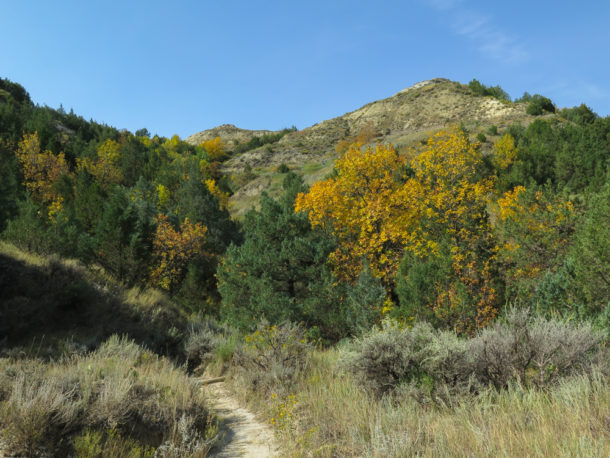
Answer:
(403, 119)
(230, 134)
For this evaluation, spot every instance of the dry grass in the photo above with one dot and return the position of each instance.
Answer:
(119, 397)
(335, 416)
(46, 301)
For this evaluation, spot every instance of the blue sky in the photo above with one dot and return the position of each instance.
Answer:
(184, 66)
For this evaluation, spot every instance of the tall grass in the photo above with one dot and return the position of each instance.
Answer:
(120, 397)
(335, 416)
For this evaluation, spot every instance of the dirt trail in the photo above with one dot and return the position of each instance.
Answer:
(244, 434)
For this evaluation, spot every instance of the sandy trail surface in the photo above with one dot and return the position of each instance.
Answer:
(243, 435)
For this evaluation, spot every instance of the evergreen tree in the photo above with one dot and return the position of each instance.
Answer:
(280, 272)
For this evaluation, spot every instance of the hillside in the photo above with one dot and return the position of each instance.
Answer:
(403, 119)
(230, 134)
(458, 288)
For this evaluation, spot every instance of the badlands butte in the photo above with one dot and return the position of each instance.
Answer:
(404, 119)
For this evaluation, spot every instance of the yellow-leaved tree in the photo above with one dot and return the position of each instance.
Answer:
(174, 249)
(41, 171)
(223, 197)
(380, 206)
(215, 148)
(106, 167)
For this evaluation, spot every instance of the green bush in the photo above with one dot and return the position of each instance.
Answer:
(493, 91)
(481, 137)
(492, 130)
(283, 168)
(580, 115)
(538, 105)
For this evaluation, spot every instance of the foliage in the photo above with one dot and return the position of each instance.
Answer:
(105, 168)
(279, 272)
(223, 197)
(533, 350)
(504, 152)
(580, 115)
(272, 354)
(215, 148)
(520, 348)
(379, 207)
(534, 230)
(124, 236)
(41, 170)
(591, 255)
(390, 356)
(565, 155)
(174, 249)
(493, 91)
(539, 105)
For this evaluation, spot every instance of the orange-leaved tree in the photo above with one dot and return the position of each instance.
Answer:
(174, 249)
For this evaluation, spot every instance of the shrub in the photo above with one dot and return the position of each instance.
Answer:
(492, 130)
(119, 397)
(493, 91)
(283, 168)
(521, 349)
(534, 350)
(272, 356)
(481, 137)
(387, 357)
(581, 115)
(538, 105)
(206, 341)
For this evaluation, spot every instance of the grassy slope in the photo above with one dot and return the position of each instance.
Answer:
(45, 301)
(329, 414)
(69, 385)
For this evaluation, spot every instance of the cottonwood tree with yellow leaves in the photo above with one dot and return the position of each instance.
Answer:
(381, 206)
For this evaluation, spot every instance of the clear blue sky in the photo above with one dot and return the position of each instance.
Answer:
(184, 66)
